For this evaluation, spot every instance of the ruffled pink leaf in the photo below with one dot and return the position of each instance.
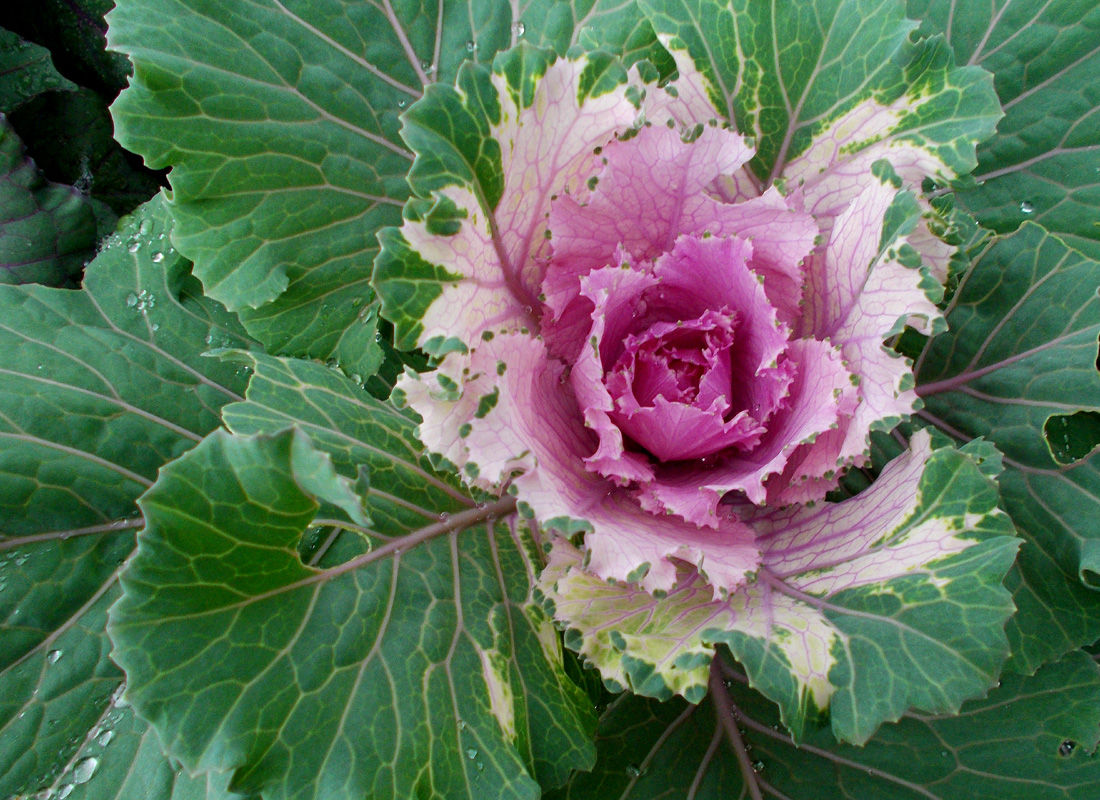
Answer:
(857, 299)
(534, 428)
(615, 293)
(811, 409)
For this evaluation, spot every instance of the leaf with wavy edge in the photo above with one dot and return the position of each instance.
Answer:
(25, 71)
(1021, 350)
(285, 148)
(911, 567)
(1030, 739)
(516, 708)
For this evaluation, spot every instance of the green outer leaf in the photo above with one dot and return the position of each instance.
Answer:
(286, 162)
(1022, 346)
(1044, 164)
(93, 401)
(363, 681)
(848, 51)
(25, 70)
(404, 495)
(47, 231)
(1006, 746)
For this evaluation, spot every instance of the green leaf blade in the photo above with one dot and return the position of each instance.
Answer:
(1021, 349)
(100, 388)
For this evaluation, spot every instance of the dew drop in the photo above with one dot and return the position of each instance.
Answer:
(471, 46)
(65, 791)
(158, 257)
(209, 338)
(145, 227)
(131, 300)
(402, 103)
(480, 766)
(1066, 748)
(53, 656)
(1026, 207)
(471, 753)
(462, 725)
(634, 771)
(758, 766)
(105, 738)
(134, 247)
(84, 770)
(518, 29)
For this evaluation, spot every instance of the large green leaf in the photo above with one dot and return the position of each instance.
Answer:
(1018, 366)
(1044, 164)
(345, 680)
(98, 389)
(1031, 739)
(410, 668)
(787, 72)
(25, 71)
(47, 231)
(285, 143)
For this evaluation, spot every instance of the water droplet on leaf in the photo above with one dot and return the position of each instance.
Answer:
(471, 47)
(53, 656)
(84, 770)
(158, 257)
(1026, 207)
(105, 738)
(471, 753)
(634, 771)
(518, 28)
(1066, 748)
(131, 300)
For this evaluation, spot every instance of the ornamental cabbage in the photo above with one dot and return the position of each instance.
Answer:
(649, 345)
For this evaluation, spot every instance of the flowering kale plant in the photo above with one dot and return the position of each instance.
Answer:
(683, 399)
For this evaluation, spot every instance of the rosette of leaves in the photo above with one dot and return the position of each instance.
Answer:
(309, 605)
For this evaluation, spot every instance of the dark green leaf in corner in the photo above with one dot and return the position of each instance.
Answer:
(25, 71)
(1044, 164)
(98, 389)
(1033, 738)
(1018, 366)
(47, 231)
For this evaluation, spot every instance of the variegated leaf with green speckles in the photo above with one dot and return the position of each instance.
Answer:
(1032, 738)
(855, 82)
(1018, 366)
(470, 685)
(285, 148)
(98, 389)
(491, 152)
(886, 601)
(1044, 164)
